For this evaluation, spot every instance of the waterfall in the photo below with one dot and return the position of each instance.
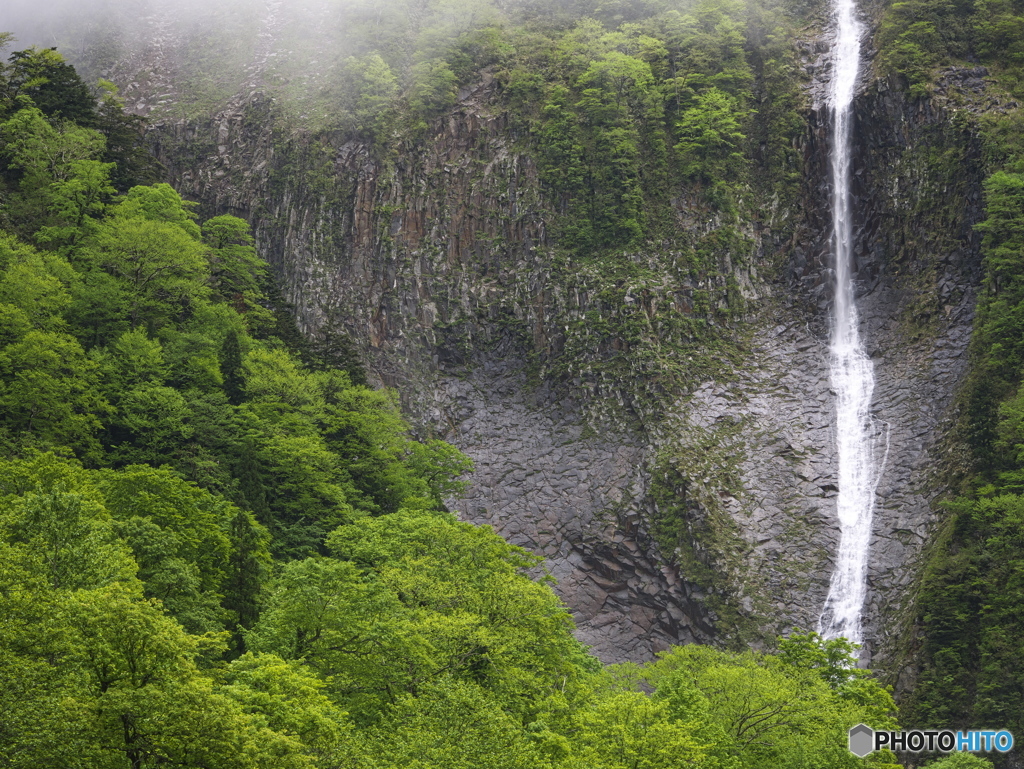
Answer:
(851, 370)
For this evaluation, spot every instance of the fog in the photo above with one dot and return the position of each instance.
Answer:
(53, 21)
(187, 57)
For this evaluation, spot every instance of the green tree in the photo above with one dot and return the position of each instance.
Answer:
(125, 143)
(151, 426)
(231, 368)
(179, 535)
(162, 268)
(710, 138)
(705, 49)
(152, 705)
(236, 271)
(432, 88)
(455, 724)
(248, 568)
(997, 24)
(42, 76)
(38, 285)
(418, 596)
(48, 391)
(630, 729)
(132, 360)
(370, 91)
(617, 92)
(44, 718)
(292, 701)
(159, 203)
(834, 659)
(62, 184)
(773, 712)
(367, 431)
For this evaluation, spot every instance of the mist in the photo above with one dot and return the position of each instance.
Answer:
(323, 61)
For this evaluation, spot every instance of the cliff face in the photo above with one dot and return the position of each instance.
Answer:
(436, 259)
(436, 262)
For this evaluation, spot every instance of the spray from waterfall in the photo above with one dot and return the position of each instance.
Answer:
(857, 435)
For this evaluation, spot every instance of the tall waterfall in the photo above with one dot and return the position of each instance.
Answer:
(851, 369)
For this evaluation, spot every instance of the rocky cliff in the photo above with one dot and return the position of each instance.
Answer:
(435, 262)
(691, 507)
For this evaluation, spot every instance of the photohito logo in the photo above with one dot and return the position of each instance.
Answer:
(865, 740)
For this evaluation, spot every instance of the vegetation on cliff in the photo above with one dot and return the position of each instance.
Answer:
(665, 136)
(970, 595)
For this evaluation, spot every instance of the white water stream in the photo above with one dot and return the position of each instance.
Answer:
(858, 437)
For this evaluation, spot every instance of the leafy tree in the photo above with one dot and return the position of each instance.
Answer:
(445, 598)
(162, 268)
(192, 347)
(705, 50)
(248, 569)
(452, 723)
(630, 729)
(615, 90)
(291, 700)
(236, 271)
(152, 705)
(833, 658)
(441, 465)
(37, 285)
(154, 421)
(179, 535)
(42, 76)
(331, 348)
(48, 392)
(710, 139)
(159, 203)
(366, 430)
(58, 525)
(62, 184)
(371, 89)
(432, 88)
(996, 349)
(99, 310)
(125, 144)
(997, 24)
(42, 721)
(771, 711)
(231, 368)
(132, 360)
(560, 159)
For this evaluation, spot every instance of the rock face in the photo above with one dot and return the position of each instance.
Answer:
(437, 262)
(579, 500)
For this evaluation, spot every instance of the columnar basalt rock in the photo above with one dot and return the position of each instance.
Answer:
(547, 483)
(437, 262)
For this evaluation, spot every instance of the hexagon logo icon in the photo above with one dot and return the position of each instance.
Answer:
(862, 740)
